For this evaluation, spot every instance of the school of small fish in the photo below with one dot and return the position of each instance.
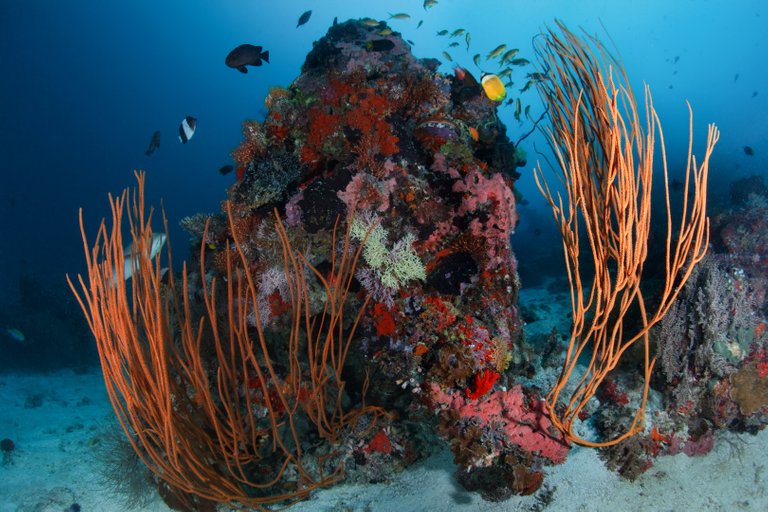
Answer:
(495, 84)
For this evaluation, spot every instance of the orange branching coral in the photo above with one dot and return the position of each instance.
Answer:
(322, 125)
(376, 139)
(236, 435)
(322, 128)
(339, 90)
(606, 159)
(370, 110)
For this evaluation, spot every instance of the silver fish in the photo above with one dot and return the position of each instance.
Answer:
(132, 260)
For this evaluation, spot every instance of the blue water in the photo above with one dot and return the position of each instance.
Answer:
(86, 83)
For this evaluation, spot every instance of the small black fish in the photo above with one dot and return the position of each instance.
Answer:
(749, 151)
(246, 55)
(677, 58)
(153, 144)
(304, 18)
(735, 77)
(754, 94)
(676, 185)
(226, 170)
(379, 45)
(187, 129)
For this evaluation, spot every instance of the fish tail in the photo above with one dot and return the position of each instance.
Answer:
(265, 56)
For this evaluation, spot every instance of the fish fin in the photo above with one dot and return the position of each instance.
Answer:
(265, 56)
(242, 69)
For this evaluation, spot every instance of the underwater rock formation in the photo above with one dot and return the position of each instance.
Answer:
(712, 346)
(416, 166)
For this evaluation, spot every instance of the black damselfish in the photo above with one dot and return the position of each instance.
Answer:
(246, 55)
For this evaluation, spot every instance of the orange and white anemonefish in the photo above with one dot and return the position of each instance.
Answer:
(493, 87)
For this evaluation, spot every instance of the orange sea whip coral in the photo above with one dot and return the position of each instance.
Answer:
(605, 155)
(198, 431)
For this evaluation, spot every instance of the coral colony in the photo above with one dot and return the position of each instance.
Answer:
(357, 295)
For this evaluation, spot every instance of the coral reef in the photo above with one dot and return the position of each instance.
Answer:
(712, 346)
(418, 166)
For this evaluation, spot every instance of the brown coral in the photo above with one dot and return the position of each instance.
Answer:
(749, 390)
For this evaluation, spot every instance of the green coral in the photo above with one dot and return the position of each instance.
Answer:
(395, 266)
(457, 152)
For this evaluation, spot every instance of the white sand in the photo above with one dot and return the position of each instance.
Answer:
(53, 466)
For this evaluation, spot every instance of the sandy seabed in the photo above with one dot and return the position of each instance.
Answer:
(55, 421)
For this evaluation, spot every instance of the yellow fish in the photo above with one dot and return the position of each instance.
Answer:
(399, 16)
(493, 87)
